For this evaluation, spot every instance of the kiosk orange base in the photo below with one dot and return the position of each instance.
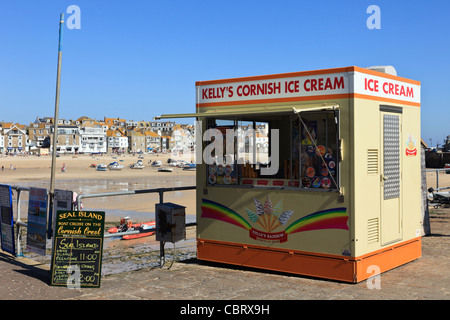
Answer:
(333, 267)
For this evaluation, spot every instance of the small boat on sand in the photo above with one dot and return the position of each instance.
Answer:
(115, 166)
(156, 163)
(165, 169)
(143, 233)
(190, 166)
(137, 165)
(126, 224)
(101, 167)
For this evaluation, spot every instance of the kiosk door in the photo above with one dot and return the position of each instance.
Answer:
(391, 204)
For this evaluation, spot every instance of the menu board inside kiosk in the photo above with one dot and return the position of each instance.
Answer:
(77, 248)
(308, 151)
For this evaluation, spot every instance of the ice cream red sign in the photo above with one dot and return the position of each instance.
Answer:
(327, 84)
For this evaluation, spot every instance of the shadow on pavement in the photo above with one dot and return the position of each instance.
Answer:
(36, 271)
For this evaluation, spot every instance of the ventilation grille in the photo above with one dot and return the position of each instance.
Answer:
(372, 161)
(391, 156)
(372, 230)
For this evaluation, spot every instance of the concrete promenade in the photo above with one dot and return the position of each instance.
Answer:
(427, 278)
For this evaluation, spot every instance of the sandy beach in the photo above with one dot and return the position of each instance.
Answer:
(80, 177)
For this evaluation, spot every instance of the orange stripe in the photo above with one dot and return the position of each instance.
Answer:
(307, 73)
(308, 98)
(275, 76)
(368, 97)
(265, 101)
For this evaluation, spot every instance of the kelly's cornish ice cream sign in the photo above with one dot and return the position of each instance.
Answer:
(352, 82)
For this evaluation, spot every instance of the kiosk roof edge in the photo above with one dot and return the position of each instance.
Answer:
(306, 73)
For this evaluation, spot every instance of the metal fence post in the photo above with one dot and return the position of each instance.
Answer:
(437, 180)
(19, 251)
(162, 254)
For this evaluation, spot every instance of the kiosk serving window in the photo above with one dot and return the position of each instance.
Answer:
(241, 147)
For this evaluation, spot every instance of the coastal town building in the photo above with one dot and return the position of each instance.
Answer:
(85, 122)
(144, 125)
(64, 122)
(39, 134)
(163, 126)
(165, 143)
(44, 120)
(2, 141)
(115, 123)
(88, 135)
(152, 141)
(117, 140)
(93, 139)
(183, 139)
(69, 139)
(15, 137)
(131, 124)
(136, 141)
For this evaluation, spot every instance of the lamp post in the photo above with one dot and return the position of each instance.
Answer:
(55, 121)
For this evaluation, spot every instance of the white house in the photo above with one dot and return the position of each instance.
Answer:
(163, 126)
(2, 140)
(93, 139)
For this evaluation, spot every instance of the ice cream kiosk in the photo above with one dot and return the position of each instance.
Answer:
(319, 174)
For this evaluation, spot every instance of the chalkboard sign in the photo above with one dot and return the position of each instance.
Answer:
(77, 249)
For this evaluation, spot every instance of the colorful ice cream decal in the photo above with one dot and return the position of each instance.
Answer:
(411, 149)
(267, 218)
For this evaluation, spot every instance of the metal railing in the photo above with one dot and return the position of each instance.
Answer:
(160, 191)
(19, 223)
(437, 189)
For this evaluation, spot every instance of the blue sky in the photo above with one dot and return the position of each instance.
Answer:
(137, 59)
